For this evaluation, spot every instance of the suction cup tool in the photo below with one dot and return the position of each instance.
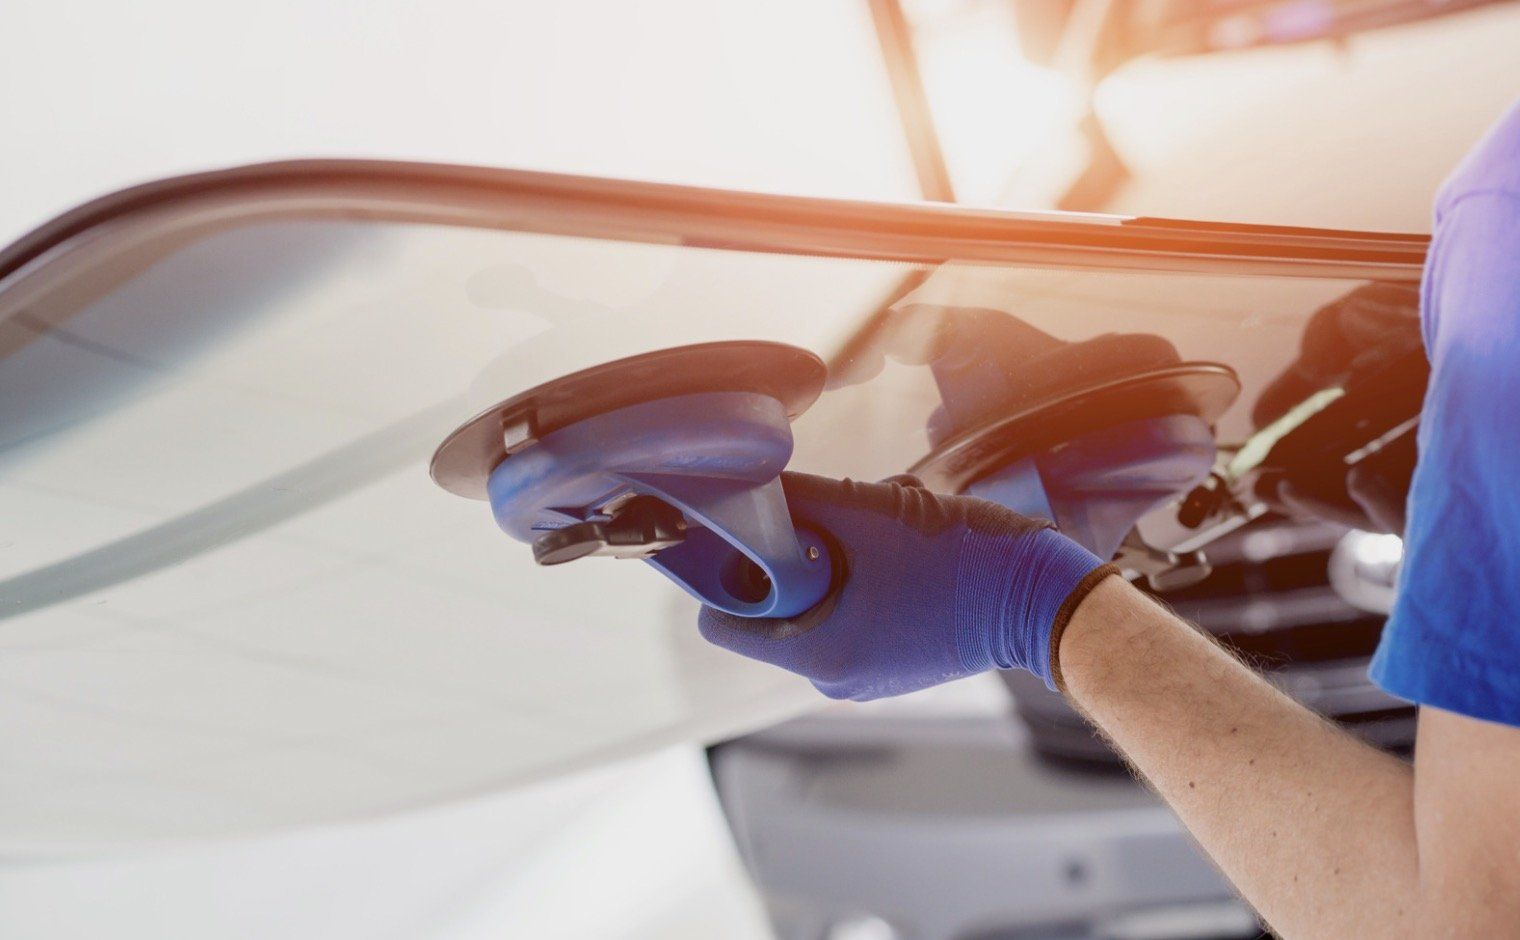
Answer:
(465, 459)
(672, 456)
(1202, 390)
(1091, 435)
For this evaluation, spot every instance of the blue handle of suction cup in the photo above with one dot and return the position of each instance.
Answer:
(1017, 486)
(1102, 483)
(717, 457)
(1097, 487)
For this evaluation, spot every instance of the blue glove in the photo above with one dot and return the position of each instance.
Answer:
(929, 588)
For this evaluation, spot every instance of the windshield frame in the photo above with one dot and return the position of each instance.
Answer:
(120, 233)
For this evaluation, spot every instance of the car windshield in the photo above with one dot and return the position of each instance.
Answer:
(228, 585)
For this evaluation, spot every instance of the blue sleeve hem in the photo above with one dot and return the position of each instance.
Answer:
(1438, 675)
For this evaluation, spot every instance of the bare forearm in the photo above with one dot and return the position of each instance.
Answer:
(1315, 828)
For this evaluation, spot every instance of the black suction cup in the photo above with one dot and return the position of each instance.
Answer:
(1202, 389)
(465, 459)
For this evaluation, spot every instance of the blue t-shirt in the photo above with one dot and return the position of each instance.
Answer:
(1454, 638)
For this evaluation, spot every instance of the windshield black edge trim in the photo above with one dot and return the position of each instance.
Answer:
(752, 221)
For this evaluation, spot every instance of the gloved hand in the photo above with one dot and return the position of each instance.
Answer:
(928, 588)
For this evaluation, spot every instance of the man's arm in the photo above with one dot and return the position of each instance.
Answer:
(1326, 836)
(1323, 834)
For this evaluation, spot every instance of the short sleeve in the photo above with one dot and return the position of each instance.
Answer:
(1453, 640)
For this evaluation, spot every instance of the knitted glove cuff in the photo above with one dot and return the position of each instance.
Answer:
(1011, 592)
(1063, 617)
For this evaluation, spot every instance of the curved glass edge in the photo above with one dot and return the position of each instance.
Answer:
(593, 207)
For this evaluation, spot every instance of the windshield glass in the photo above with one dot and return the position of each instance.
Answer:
(229, 587)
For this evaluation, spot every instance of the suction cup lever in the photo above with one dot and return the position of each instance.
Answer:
(640, 528)
(1163, 570)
